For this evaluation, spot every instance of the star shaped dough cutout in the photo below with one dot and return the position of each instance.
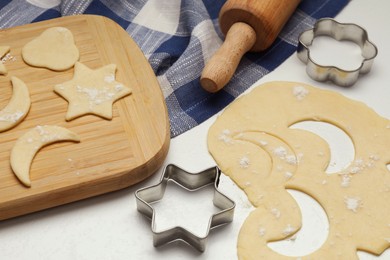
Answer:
(3, 51)
(91, 91)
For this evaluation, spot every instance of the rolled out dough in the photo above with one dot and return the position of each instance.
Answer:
(252, 143)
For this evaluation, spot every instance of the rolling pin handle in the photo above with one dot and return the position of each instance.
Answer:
(220, 69)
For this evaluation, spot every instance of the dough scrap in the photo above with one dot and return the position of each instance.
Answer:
(26, 147)
(18, 106)
(3, 51)
(252, 143)
(92, 91)
(54, 49)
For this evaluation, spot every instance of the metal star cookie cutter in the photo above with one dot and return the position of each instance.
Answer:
(340, 32)
(190, 182)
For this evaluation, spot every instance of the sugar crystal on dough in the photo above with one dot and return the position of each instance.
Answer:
(109, 78)
(289, 230)
(280, 151)
(41, 130)
(374, 157)
(226, 132)
(96, 96)
(288, 175)
(345, 180)
(8, 57)
(352, 203)
(263, 143)
(355, 170)
(225, 136)
(276, 212)
(300, 92)
(118, 87)
(262, 231)
(11, 117)
(244, 162)
(291, 159)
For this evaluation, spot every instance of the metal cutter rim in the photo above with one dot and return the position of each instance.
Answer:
(190, 182)
(340, 32)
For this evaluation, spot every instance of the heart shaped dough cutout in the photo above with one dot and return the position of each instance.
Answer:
(54, 49)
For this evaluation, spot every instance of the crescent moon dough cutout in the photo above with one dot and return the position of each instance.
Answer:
(17, 107)
(253, 144)
(54, 49)
(31, 142)
(3, 52)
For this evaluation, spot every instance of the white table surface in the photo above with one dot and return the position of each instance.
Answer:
(110, 227)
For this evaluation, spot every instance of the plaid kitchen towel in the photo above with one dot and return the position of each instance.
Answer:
(178, 37)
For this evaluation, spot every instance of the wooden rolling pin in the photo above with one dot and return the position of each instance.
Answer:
(249, 25)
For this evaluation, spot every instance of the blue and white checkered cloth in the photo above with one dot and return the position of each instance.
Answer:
(178, 37)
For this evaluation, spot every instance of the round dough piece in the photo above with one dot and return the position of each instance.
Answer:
(54, 49)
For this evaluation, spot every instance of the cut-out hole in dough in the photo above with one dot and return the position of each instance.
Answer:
(388, 166)
(314, 231)
(190, 210)
(327, 51)
(340, 144)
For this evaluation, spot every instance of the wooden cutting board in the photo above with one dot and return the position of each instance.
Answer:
(112, 154)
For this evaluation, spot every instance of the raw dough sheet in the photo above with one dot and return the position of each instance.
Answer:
(254, 144)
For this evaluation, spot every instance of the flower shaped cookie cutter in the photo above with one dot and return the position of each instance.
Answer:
(190, 182)
(340, 32)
